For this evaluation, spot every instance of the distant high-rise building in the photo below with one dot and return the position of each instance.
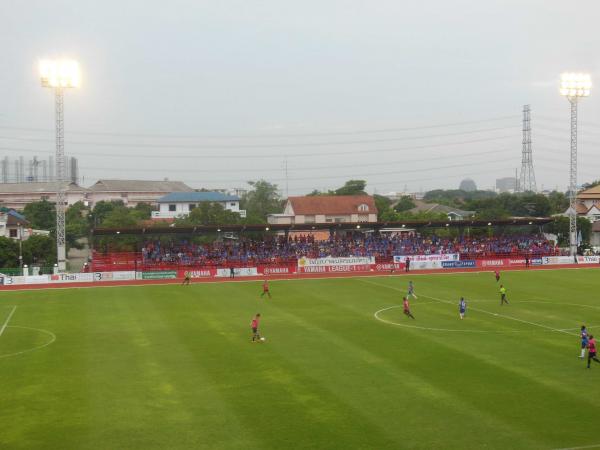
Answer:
(507, 184)
(467, 185)
(19, 170)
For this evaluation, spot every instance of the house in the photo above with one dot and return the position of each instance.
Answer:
(132, 192)
(18, 195)
(588, 203)
(13, 225)
(327, 209)
(179, 204)
(436, 208)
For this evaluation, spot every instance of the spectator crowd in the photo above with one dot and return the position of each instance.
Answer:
(280, 249)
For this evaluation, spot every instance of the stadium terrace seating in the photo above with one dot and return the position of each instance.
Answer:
(159, 254)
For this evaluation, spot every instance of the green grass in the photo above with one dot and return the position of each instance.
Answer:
(159, 367)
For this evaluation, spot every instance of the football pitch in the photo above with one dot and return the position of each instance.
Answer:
(172, 367)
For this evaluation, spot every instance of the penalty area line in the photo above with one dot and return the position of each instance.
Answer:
(7, 320)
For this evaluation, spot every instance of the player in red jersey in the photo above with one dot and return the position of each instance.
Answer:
(254, 325)
(406, 307)
(497, 273)
(591, 345)
(266, 289)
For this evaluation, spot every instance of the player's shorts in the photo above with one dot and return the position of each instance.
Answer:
(584, 344)
(407, 311)
(462, 311)
(254, 330)
(265, 290)
(503, 296)
(592, 354)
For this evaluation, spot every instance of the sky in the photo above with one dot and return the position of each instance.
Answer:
(406, 95)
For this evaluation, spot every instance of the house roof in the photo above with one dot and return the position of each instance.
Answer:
(438, 208)
(185, 197)
(26, 188)
(332, 204)
(14, 218)
(139, 186)
(591, 193)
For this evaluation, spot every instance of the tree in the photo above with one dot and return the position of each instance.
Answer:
(102, 209)
(210, 214)
(559, 202)
(41, 215)
(591, 185)
(404, 204)
(262, 200)
(77, 225)
(39, 249)
(9, 252)
(560, 227)
(352, 187)
(385, 213)
(143, 211)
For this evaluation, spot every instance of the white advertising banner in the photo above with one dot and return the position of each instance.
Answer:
(114, 276)
(34, 279)
(330, 264)
(330, 261)
(426, 265)
(416, 258)
(558, 260)
(588, 259)
(72, 277)
(238, 272)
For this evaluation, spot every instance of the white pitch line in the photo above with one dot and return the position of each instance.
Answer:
(507, 317)
(579, 448)
(7, 320)
(480, 310)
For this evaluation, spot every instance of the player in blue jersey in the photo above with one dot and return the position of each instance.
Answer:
(462, 308)
(584, 340)
(411, 290)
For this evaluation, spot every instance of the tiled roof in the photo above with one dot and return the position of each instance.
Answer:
(332, 204)
(184, 197)
(25, 188)
(140, 186)
(593, 192)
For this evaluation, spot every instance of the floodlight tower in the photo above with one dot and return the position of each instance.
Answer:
(574, 86)
(60, 75)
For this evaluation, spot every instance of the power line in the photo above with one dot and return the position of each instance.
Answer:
(394, 172)
(268, 136)
(258, 146)
(292, 168)
(264, 155)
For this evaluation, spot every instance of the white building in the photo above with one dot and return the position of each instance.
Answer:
(18, 195)
(14, 225)
(179, 204)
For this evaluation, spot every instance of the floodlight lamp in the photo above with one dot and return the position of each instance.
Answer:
(59, 73)
(575, 84)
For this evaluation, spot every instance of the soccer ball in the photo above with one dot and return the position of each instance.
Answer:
(262, 339)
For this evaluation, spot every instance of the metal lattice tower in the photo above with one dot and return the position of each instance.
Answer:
(61, 196)
(573, 179)
(574, 86)
(527, 178)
